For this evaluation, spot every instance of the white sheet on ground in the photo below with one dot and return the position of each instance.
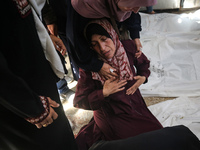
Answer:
(179, 111)
(172, 43)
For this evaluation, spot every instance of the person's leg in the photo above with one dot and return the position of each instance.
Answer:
(150, 10)
(64, 91)
(182, 3)
(74, 66)
(62, 86)
(170, 138)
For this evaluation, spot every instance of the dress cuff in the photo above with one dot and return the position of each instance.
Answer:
(41, 117)
(135, 34)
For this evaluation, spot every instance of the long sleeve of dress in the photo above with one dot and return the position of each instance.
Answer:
(133, 24)
(16, 95)
(141, 64)
(88, 95)
(48, 14)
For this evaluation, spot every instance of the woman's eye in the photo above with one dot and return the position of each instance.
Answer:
(104, 38)
(93, 44)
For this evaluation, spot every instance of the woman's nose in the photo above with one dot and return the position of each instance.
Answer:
(102, 46)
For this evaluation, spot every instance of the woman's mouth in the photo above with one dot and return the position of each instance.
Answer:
(106, 53)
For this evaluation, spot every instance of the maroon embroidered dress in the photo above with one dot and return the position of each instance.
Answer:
(117, 116)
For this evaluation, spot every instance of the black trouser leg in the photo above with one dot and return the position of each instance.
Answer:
(170, 138)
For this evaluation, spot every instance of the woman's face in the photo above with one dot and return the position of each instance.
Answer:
(103, 45)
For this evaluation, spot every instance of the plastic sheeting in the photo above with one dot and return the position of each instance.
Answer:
(180, 111)
(172, 43)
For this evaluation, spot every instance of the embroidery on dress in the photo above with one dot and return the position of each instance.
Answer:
(23, 7)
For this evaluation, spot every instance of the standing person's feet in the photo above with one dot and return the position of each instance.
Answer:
(153, 12)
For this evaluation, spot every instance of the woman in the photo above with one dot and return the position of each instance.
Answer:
(119, 109)
(28, 94)
(123, 11)
(77, 19)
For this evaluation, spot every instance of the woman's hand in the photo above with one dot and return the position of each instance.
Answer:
(58, 44)
(106, 73)
(139, 47)
(113, 85)
(53, 29)
(132, 89)
(52, 115)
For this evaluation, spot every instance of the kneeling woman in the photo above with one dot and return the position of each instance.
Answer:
(119, 109)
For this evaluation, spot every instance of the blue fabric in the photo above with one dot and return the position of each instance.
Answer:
(149, 9)
(62, 86)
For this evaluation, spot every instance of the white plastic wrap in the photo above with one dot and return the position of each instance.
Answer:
(180, 111)
(172, 43)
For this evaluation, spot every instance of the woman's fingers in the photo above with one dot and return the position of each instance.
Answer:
(52, 102)
(122, 83)
(114, 74)
(120, 89)
(131, 91)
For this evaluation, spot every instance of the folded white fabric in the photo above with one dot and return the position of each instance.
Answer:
(179, 111)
